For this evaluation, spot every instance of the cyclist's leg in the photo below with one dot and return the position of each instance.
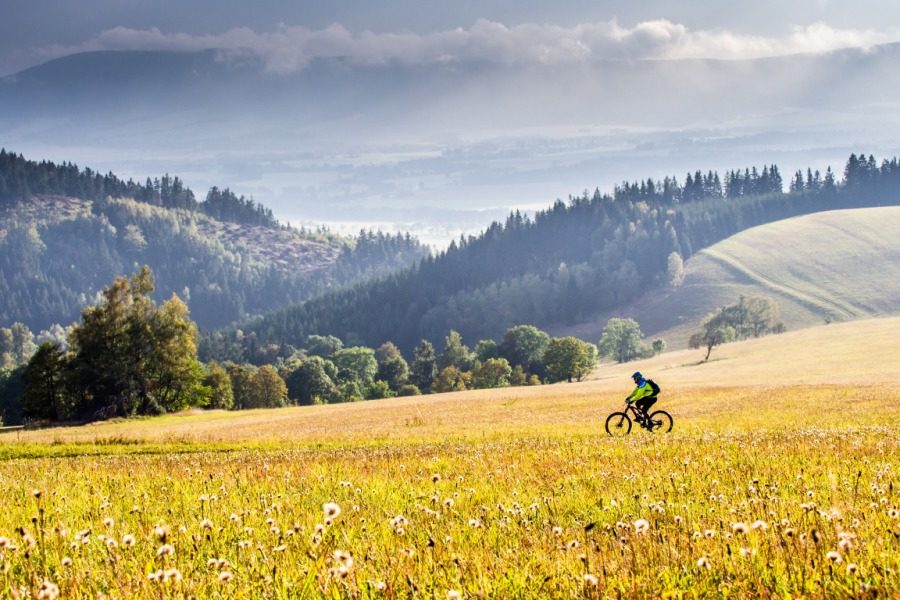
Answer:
(644, 405)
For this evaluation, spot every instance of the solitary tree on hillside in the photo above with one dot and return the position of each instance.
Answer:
(568, 358)
(621, 340)
(750, 317)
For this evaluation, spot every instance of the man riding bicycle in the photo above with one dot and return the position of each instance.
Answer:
(644, 395)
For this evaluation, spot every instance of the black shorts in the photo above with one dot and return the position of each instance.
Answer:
(645, 403)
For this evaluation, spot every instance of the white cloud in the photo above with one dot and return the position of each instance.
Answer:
(289, 48)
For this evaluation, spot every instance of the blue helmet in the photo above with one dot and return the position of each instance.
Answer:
(637, 375)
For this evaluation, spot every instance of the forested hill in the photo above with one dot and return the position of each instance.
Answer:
(22, 179)
(65, 233)
(567, 263)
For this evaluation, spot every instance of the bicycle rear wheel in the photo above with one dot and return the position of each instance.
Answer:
(661, 421)
(618, 424)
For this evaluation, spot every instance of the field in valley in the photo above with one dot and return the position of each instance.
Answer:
(780, 479)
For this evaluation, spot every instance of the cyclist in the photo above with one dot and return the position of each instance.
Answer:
(644, 395)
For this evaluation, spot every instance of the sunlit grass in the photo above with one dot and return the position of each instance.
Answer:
(767, 488)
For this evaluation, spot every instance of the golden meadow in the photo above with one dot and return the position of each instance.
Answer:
(780, 479)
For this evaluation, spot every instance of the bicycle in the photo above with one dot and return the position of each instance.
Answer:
(618, 424)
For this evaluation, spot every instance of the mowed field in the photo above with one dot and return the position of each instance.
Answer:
(831, 266)
(780, 479)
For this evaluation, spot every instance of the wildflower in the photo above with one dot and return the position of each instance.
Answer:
(226, 576)
(709, 533)
(759, 525)
(453, 595)
(4, 543)
(48, 591)
(590, 580)
(155, 575)
(894, 513)
(344, 558)
(435, 478)
(557, 531)
(381, 586)
(166, 550)
(678, 518)
(474, 523)
(331, 510)
(109, 522)
(641, 526)
(703, 563)
(161, 531)
(111, 543)
(745, 552)
(739, 528)
(790, 532)
(206, 524)
(128, 540)
(833, 557)
(66, 561)
(852, 568)
(171, 575)
(448, 502)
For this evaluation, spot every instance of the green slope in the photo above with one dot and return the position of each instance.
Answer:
(831, 266)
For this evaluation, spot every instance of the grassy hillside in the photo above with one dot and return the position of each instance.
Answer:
(824, 267)
(779, 480)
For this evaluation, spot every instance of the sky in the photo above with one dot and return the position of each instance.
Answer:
(35, 31)
(444, 115)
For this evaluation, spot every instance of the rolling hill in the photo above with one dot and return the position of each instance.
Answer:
(823, 267)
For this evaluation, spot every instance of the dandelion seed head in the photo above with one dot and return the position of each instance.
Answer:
(833, 556)
(739, 527)
(226, 576)
(66, 561)
(641, 525)
(852, 568)
(759, 525)
(331, 510)
(590, 580)
(165, 550)
(48, 591)
(703, 563)
(173, 575)
(453, 595)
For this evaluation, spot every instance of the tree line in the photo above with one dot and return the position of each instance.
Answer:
(130, 356)
(21, 179)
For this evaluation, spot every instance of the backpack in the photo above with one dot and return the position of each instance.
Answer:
(653, 386)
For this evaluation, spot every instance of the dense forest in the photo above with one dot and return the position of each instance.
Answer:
(567, 263)
(74, 234)
(21, 180)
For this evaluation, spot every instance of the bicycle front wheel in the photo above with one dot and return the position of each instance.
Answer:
(618, 424)
(661, 422)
